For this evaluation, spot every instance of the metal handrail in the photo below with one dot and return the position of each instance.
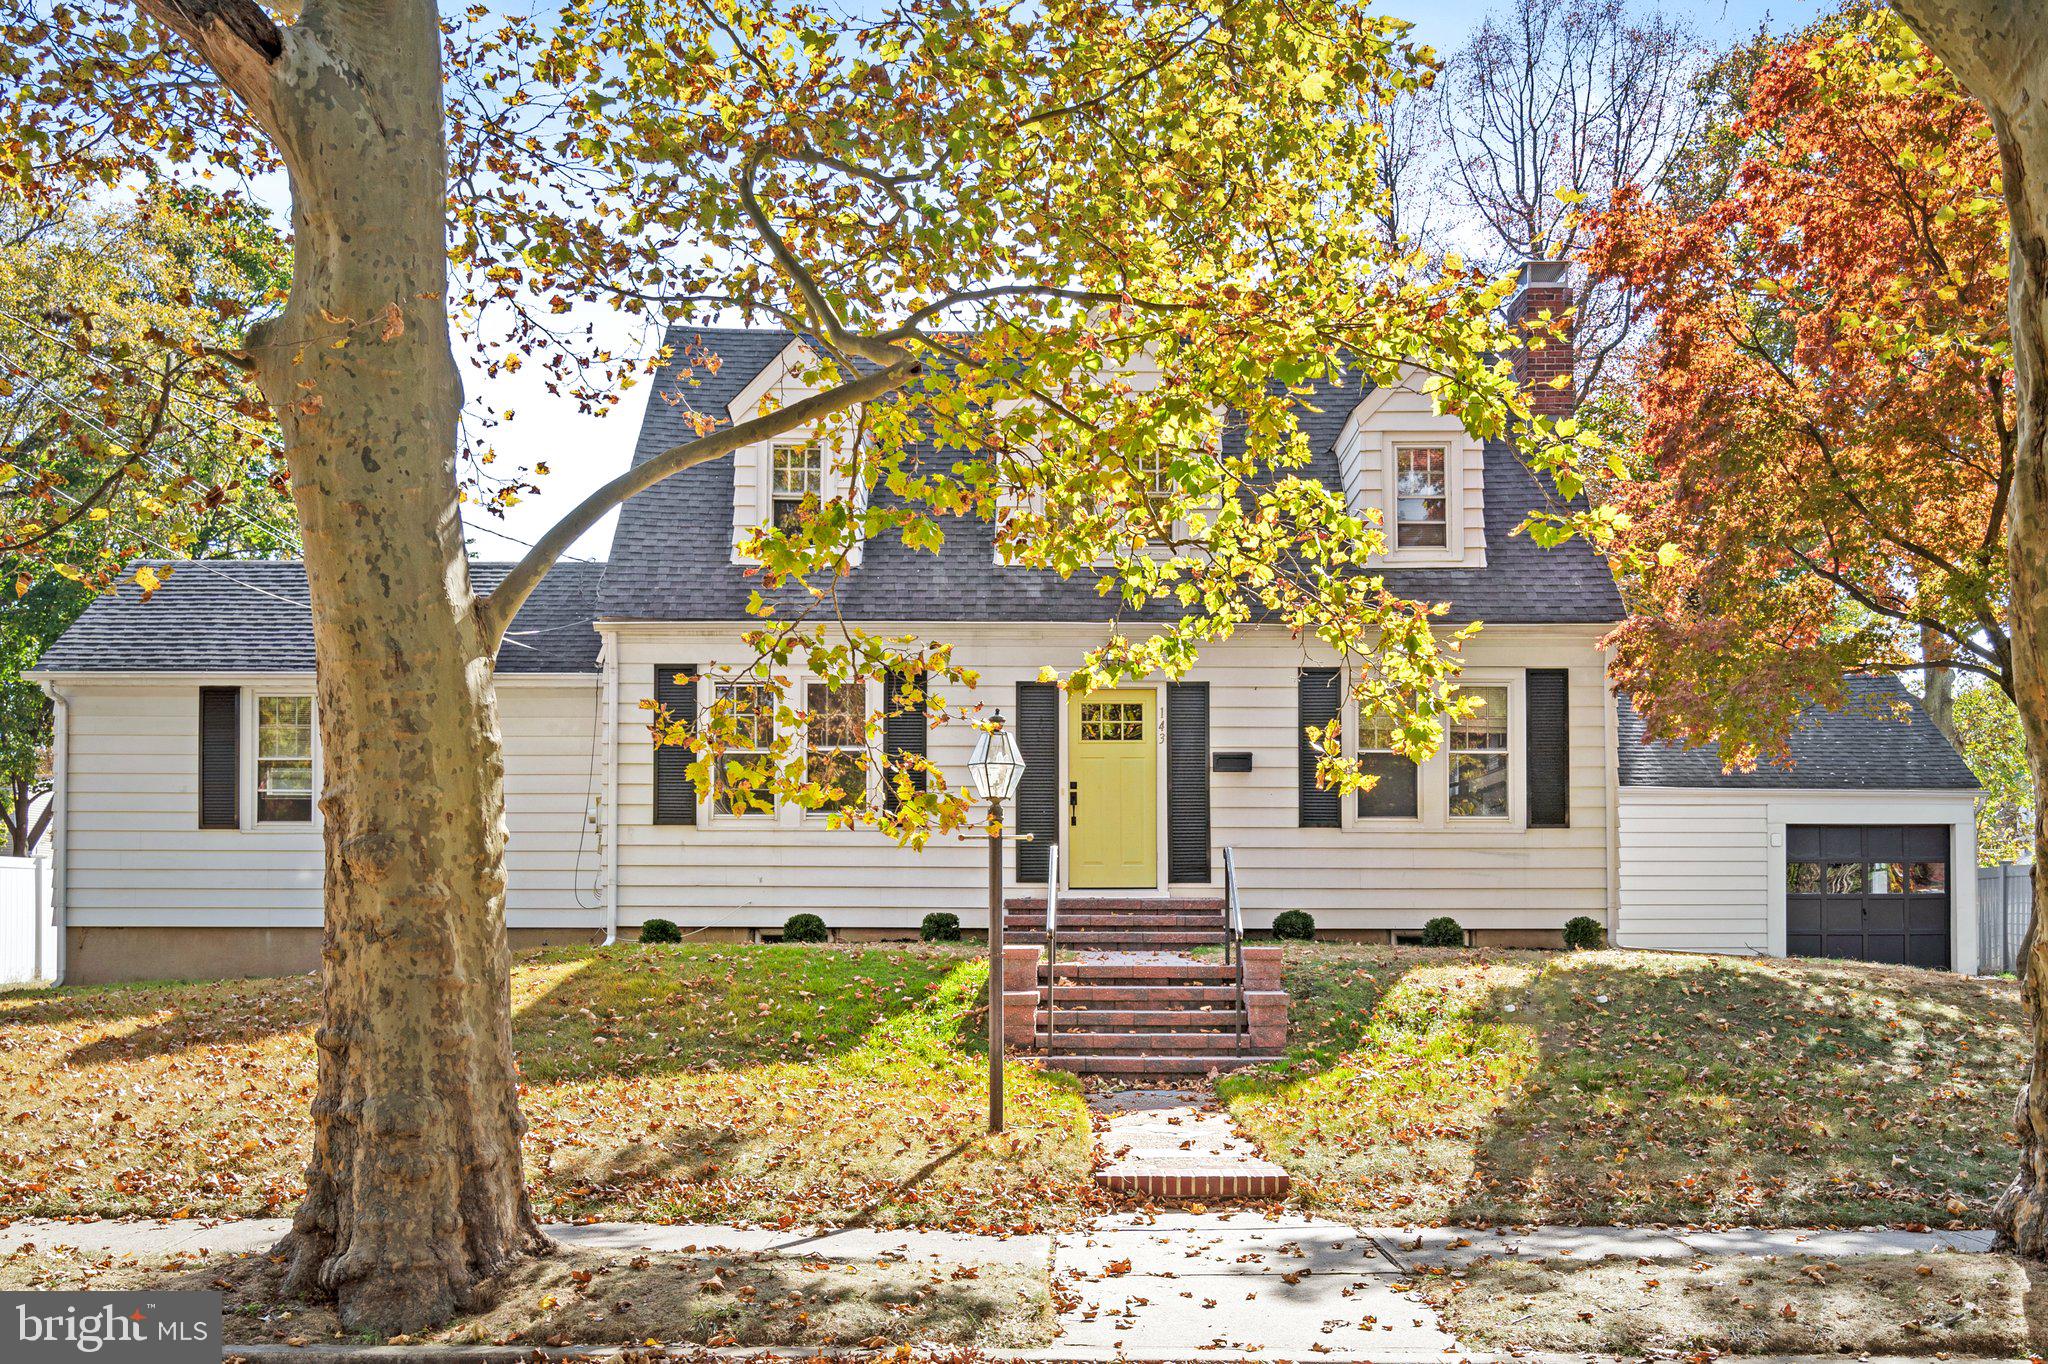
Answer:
(1052, 942)
(1233, 943)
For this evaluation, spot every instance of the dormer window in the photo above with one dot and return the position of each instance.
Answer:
(1422, 497)
(797, 472)
(1418, 473)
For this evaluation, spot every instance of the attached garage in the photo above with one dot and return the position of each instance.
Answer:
(1868, 892)
(1864, 848)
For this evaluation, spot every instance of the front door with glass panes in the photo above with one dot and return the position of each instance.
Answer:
(1113, 791)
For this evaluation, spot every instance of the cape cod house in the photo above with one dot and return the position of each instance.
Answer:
(188, 842)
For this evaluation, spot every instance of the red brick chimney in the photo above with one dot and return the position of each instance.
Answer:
(1542, 288)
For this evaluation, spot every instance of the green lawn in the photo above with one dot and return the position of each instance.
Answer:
(770, 1084)
(1638, 1087)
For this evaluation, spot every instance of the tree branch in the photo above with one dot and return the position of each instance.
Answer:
(237, 38)
(496, 611)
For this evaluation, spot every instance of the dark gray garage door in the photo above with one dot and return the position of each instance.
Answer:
(1868, 892)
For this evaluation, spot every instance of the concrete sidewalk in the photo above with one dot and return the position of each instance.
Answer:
(1181, 1285)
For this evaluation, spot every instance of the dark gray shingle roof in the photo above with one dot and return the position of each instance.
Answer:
(220, 615)
(1862, 746)
(672, 556)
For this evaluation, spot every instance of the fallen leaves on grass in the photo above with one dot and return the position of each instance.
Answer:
(1637, 1087)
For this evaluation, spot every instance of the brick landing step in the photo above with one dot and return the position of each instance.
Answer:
(1201, 1063)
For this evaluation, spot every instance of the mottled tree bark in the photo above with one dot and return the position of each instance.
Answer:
(416, 1192)
(1999, 49)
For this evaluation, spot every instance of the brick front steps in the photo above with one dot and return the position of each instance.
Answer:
(1126, 1002)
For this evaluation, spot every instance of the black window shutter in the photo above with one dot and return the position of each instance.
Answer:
(1187, 781)
(675, 795)
(1317, 693)
(1038, 792)
(1546, 695)
(904, 730)
(220, 757)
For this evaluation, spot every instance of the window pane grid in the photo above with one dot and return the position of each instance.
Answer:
(1479, 756)
(750, 715)
(796, 472)
(284, 759)
(1394, 795)
(835, 735)
(1422, 497)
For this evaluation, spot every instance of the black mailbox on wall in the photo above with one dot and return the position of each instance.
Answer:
(1230, 762)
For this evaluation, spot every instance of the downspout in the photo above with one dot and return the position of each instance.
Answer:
(611, 790)
(60, 829)
(1612, 720)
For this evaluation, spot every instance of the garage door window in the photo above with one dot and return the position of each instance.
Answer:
(1868, 892)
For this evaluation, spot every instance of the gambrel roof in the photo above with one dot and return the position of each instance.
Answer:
(672, 556)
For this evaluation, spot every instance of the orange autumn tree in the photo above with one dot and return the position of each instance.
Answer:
(1827, 425)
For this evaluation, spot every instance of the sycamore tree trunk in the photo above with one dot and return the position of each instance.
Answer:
(416, 1192)
(1999, 49)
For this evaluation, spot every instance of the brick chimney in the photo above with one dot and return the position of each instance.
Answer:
(1542, 288)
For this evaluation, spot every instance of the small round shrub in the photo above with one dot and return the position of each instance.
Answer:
(1583, 934)
(660, 931)
(1443, 931)
(805, 928)
(939, 926)
(1294, 923)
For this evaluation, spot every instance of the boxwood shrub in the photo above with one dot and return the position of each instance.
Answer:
(805, 928)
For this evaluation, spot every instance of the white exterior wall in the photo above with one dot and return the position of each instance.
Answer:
(755, 871)
(133, 853)
(1704, 870)
(1395, 416)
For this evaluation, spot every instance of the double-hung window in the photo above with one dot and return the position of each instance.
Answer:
(749, 710)
(1421, 497)
(835, 742)
(284, 759)
(1480, 759)
(1393, 796)
(796, 475)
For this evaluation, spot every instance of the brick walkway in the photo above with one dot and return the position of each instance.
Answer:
(1178, 1144)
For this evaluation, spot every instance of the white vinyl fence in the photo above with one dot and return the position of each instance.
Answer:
(2005, 906)
(28, 941)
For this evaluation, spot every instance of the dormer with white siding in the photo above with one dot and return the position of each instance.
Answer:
(771, 478)
(1421, 471)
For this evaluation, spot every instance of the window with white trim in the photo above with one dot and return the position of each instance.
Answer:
(1480, 756)
(284, 759)
(749, 711)
(796, 473)
(1395, 794)
(835, 742)
(1421, 497)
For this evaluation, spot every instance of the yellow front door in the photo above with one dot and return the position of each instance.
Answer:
(1113, 805)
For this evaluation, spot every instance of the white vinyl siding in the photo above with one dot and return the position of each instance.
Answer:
(1703, 870)
(1694, 868)
(1367, 875)
(135, 856)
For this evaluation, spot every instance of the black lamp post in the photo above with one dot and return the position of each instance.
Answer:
(996, 768)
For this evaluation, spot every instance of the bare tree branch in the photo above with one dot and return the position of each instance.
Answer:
(496, 611)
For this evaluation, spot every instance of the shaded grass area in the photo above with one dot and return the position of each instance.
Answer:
(1970, 1305)
(1622, 1087)
(585, 1298)
(738, 1083)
